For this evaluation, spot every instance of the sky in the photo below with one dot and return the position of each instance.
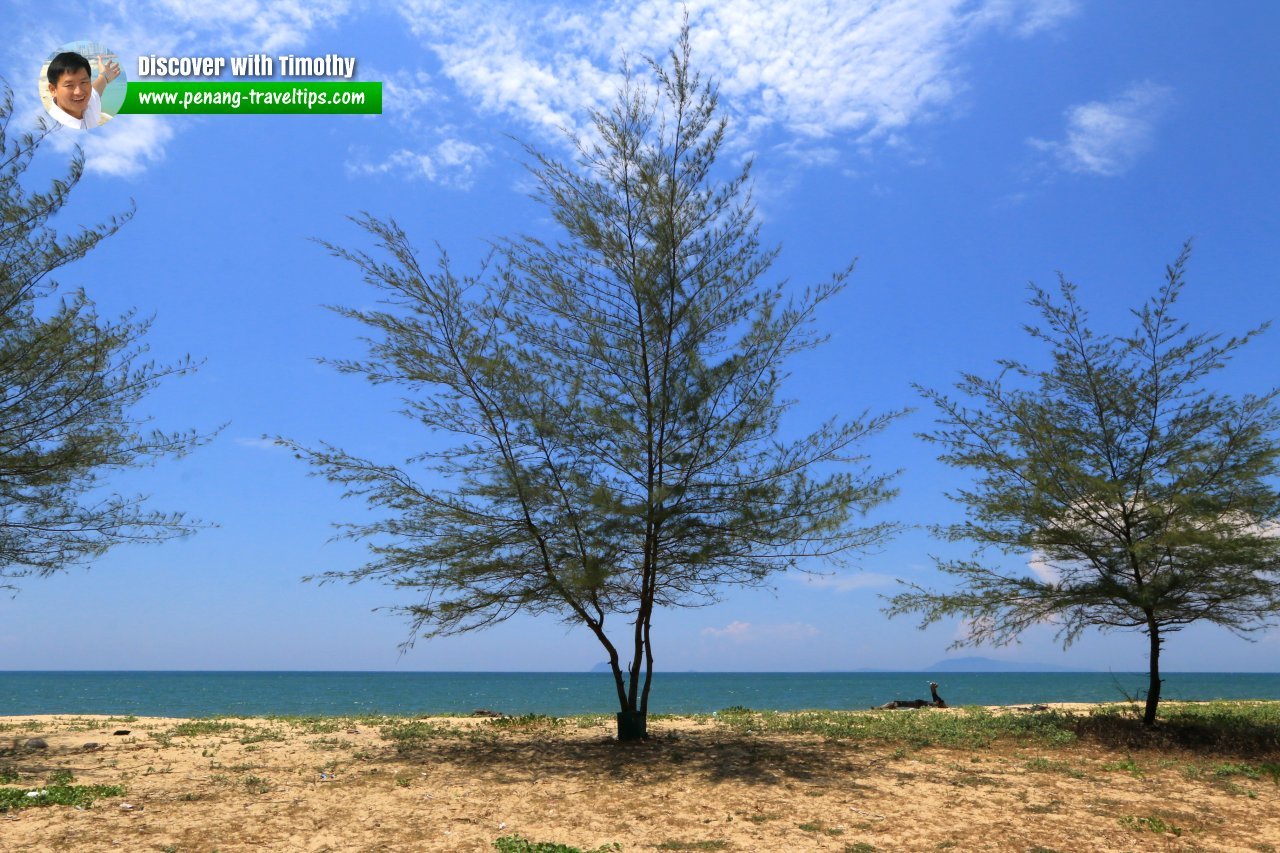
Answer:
(959, 149)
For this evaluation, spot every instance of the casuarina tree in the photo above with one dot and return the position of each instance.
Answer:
(1133, 494)
(615, 398)
(71, 381)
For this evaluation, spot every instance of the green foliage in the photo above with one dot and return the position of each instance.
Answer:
(1128, 765)
(526, 722)
(1223, 728)
(1045, 765)
(70, 381)
(517, 844)
(259, 735)
(974, 727)
(615, 396)
(672, 844)
(1237, 728)
(81, 796)
(410, 734)
(256, 784)
(1149, 824)
(1146, 500)
(199, 728)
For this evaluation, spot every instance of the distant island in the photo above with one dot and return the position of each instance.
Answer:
(981, 664)
(965, 664)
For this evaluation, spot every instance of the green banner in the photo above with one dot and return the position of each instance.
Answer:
(254, 98)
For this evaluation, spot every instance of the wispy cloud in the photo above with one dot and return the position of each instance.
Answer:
(260, 444)
(1107, 137)
(846, 582)
(748, 632)
(1043, 569)
(450, 163)
(255, 25)
(811, 68)
(125, 148)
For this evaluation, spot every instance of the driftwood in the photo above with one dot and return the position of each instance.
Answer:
(899, 704)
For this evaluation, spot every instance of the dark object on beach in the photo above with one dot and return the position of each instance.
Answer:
(899, 704)
(120, 732)
(92, 746)
(35, 743)
(485, 712)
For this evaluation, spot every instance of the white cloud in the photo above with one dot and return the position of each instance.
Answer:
(126, 145)
(260, 444)
(813, 68)
(1107, 137)
(407, 97)
(255, 25)
(847, 582)
(1042, 569)
(747, 632)
(450, 163)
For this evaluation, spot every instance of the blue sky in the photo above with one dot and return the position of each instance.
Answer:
(957, 149)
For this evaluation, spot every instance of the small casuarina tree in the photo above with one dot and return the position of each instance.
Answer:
(1144, 499)
(69, 384)
(615, 399)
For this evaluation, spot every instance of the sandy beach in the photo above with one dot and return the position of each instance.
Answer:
(327, 784)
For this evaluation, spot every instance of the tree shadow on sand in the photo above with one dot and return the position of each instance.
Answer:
(710, 756)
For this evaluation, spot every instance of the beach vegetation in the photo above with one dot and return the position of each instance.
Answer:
(256, 784)
(72, 383)
(616, 396)
(202, 728)
(1119, 489)
(1149, 823)
(526, 722)
(519, 844)
(80, 796)
(1048, 765)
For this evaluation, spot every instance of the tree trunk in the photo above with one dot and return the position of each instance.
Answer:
(632, 721)
(632, 725)
(1153, 687)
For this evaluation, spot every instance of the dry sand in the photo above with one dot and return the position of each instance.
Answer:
(695, 785)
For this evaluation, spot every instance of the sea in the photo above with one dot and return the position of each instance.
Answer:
(209, 694)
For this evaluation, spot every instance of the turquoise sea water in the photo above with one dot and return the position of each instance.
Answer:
(203, 694)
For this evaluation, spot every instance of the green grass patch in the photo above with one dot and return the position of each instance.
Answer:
(1250, 771)
(260, 735)
(972, 727)
(82, 796)
(526, 722)
(1229, 728)
(1046, 765)
(672, 844)
(1149, 824)
(517, 844)
(200, 728)
(256, 785)
(411, 734)
(1128, 765)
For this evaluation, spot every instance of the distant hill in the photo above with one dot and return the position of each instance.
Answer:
(981, 664)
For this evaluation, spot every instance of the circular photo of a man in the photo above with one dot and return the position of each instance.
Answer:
(81, 85)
